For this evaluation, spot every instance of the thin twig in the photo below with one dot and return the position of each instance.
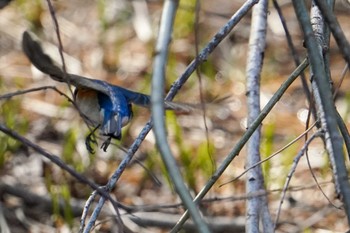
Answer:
(22, 92)
(60, 45)
(342, 77)
(273, 155)
(293, 168)
(295, 57)
(316, 181)
(200, 82)
(84, 215)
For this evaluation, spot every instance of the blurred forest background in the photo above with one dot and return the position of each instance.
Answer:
(114, 41)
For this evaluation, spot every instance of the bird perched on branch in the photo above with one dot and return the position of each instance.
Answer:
(101, 104)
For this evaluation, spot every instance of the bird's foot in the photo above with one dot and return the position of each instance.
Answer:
(106, 143)
(91, 139)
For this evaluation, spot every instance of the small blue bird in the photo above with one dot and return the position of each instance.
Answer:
(102, 105)
(98, 110)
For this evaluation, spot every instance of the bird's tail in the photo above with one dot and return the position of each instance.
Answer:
(111, 126)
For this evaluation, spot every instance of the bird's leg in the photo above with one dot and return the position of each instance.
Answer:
(106, 143)
(91, 139)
